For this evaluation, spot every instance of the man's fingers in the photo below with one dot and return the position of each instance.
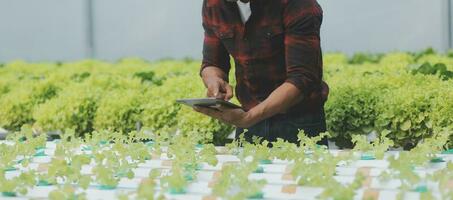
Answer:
(216, 93)
(208, 111)
(221, 95)
(212, 113)
(223, 108)
(229, 92)
(213, 90)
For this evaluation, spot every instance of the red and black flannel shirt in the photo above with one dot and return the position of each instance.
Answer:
(279, 43)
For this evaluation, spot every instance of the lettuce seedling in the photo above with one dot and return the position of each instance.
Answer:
(259, 150)
(110, 167)
(284, 150)
(338, 191)
(208, 154)
(234, 184)
(105, 176)
(145, 190)
(311, 143)
(186, 162)
(66, 191)
(402, 167)
(234, 147)
(445, 178)
(19, 184)
(176, 182)
(316, 171)
(375, 149)
(67, 164)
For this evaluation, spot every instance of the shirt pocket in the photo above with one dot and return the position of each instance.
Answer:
(271, 41)
(226, 37)
(271, 32)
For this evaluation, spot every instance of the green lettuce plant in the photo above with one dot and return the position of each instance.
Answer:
(177, 181)
(19, 184)
(315, 165)
(406, 112)
(258, 150)
(284, 150)
(23, 146)
(338, 191)
(438, 69)
(444, 177)
(351, 108)
(66, 191)
(208, 154)
(402, 166)
(110, 167)
(144, 191)
(184, 166)
(361, 58)
(376, 148)
(119, 110)
(66, 165)
(233, 183)
(74, 107)
(18, 105)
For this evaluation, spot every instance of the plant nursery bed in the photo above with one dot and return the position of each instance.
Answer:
(180, 168)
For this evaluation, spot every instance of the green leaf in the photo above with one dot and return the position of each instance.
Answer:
(406, 125)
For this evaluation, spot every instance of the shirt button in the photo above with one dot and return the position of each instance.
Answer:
(269, 34)
(247, 62)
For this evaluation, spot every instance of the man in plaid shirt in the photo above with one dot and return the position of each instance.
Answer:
(275, 45)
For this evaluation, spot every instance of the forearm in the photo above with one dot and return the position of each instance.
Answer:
(279, 101)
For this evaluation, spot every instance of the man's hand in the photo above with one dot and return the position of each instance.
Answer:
(236, 117)
(217, 87)
(278, 102)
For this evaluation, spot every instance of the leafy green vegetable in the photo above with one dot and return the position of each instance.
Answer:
(119, 111)
(148, 76)
(361, 58)
(17, 105)
(66, 192)
(377, 148)
(368, 93)
(234, 184)
(427, 68)
(18, 184)
(73, 108)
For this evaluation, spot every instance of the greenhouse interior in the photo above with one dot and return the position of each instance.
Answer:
(226, 99)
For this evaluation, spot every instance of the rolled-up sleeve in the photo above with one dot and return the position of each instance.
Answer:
(214, 52)
(302, 21)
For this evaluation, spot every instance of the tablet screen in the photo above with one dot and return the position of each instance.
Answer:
(207, 102)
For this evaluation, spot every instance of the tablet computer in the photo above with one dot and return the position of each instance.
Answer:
(208, 102)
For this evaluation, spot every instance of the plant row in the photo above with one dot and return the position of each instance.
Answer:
(91, 95)
(113, 156)
(410, 95)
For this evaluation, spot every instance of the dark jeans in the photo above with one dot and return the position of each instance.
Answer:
(287, 127)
